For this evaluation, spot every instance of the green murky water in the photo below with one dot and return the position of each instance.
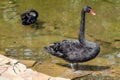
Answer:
(58, 20)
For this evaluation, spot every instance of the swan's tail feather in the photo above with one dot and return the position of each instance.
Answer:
(54, 49)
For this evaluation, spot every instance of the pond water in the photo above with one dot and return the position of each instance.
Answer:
(58, 20)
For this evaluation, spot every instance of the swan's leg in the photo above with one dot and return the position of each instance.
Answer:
(77, 68)
(73, 66)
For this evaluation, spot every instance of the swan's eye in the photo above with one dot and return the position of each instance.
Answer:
(88, 10)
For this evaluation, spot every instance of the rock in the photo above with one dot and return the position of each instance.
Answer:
(11, 69)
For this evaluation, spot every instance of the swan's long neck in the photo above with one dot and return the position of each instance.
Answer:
(82, 27)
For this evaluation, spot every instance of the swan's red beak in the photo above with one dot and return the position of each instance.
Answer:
(92, 12)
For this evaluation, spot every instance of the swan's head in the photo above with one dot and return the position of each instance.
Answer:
(89, 10)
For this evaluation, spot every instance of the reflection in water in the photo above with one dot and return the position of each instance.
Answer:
(118, 55)
(87, 67)
(28, 53)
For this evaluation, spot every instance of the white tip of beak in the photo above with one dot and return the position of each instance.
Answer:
(94, 14)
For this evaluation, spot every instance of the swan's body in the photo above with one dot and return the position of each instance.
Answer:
(72, 51)
(75, 51)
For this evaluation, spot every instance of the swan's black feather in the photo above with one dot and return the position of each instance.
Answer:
(73, 51)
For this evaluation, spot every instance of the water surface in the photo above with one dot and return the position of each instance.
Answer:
(58, 20)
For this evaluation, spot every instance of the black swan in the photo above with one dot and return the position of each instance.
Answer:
(75, 51)
(29, 17)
